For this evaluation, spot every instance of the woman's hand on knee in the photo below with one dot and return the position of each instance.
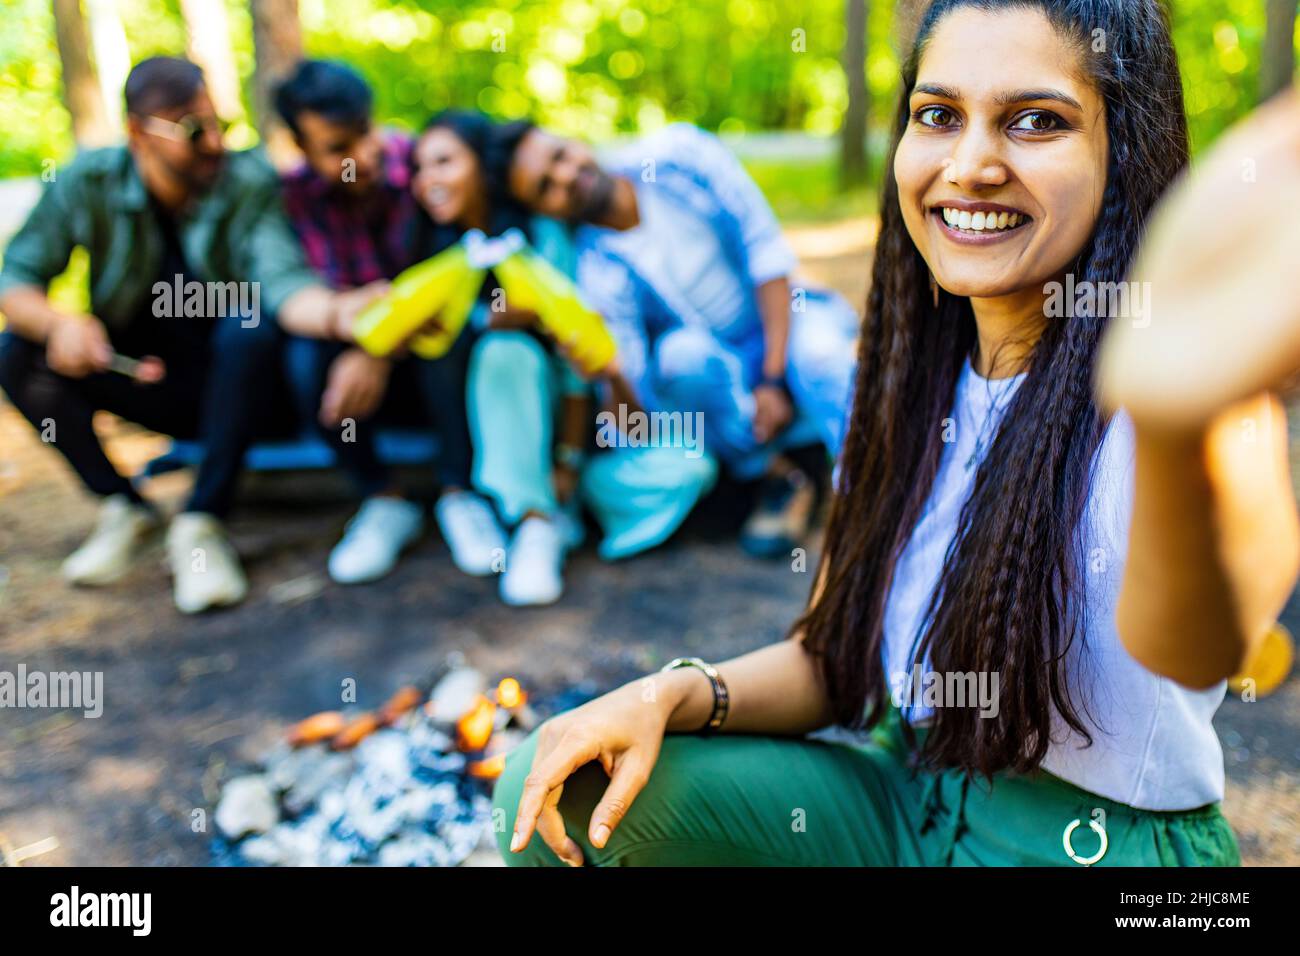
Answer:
(624, 731)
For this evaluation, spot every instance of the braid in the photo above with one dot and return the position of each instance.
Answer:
(1009, 599)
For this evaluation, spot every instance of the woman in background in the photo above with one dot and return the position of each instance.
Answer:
(517, 384)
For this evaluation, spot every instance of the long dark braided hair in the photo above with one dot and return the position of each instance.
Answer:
(1008, 600)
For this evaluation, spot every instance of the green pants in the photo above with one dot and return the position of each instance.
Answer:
(768, 801)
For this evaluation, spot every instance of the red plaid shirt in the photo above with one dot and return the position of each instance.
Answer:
(351, 243)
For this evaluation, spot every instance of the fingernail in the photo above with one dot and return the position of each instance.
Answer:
(574, 857)
(514, 842)
(601, 835)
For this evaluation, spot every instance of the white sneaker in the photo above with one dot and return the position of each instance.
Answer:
(375, 538)
(205, 567)
(470, 528)
(107, 554)
(534, 564)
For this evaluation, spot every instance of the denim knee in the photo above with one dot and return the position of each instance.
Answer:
(685, 353)
(237, 347)
(17, 355)
(306, 365)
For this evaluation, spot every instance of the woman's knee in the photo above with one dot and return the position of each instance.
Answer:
(501, 357)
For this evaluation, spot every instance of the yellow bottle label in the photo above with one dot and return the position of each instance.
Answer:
(447, 286)
(418, 294)
(533, 283)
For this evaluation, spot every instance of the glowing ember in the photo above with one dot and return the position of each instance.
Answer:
(488, 769)
(474, 729)
(316, 728)
(510, 695)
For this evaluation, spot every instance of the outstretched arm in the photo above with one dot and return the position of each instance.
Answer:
(1214, 543)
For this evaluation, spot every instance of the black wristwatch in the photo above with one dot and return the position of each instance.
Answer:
(775, 381)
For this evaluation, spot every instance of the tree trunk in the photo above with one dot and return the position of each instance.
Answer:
(277, 41)
(853, 132)
(112, 56)
(209, 47)
(81, 92)
(907, 17)
(1278, 58)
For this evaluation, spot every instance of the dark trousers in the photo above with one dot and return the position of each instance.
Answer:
(219, 388)
(421, 393)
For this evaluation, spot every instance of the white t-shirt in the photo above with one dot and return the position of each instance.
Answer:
(678, 248)
(1154, 745)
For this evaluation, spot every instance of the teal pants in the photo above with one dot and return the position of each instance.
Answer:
(639, 496)
(767, 801)
(514, 386)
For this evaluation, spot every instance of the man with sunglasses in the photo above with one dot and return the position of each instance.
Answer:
(170, 210)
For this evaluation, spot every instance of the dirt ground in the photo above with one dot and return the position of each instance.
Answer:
(187, 701)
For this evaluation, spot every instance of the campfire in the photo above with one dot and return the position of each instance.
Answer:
(407, 784)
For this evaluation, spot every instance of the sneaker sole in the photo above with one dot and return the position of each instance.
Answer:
(380, 575)
(98, 580)
(514, 602)
(112, 577)
(213, 604)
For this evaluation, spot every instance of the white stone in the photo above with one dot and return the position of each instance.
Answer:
(247, 806)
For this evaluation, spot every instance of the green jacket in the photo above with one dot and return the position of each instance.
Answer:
(236, 233)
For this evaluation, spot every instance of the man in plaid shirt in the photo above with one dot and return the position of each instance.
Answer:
(352, 208)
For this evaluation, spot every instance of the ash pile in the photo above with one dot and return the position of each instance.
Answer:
(408, 784)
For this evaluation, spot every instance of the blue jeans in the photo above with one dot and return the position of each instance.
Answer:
(696, 372)
(219, 388)
(421, 393)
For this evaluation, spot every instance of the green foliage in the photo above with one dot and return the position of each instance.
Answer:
(592, 67)
(35, 124)
(809, 191)
(596, 66)
(1218, 43)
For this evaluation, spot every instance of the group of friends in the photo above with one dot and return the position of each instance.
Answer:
(668, 239)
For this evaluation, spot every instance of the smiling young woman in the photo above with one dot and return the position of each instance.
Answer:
(984, 513)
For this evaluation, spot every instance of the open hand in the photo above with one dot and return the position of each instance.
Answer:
(1221, 258)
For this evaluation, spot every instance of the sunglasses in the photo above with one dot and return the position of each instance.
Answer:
(188, 129)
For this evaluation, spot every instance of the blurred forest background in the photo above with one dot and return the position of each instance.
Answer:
(824, 72)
